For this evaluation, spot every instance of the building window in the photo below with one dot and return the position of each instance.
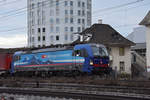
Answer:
(32, 22)
(79, 4)
(71, 29)
(66, 20)
(38, 13)
(66, 29)
(83, 21)
(71, 12)
(83, 28)
(57, 11)
(71, 3)
(57, 2)
(51, 12)
(83, 4)
(43, 13)
(57, 38)
(39, 4)
(39, 21)
(43, 4)
(51, 38)
(32, 39)
(44, 30)
(43, 38)
(66, 3)
(51, 3)
(121, 51)
(43, 45)
(71, 37)
(66, 37)
(57, 21)
(57, 29)
(66, 12)
(79, 12)
(39, 38)
(51, 29)
(32, 6)
(83, 13)
(71, 20)
(51, 21)
(122, 66)
(79, 29)
(89, 5)
(32, 31)
(79, 21)
(39, 30)
(39, 46)
(43, 20)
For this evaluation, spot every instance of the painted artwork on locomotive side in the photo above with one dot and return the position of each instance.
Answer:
(47, 59)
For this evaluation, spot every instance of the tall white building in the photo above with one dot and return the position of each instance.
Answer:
(55, 21)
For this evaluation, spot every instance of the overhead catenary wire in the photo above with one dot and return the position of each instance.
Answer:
(55, 1)
(13, 29)
(24, 9)
(21, 12)
(12, 11)
(1, 1)
(116, 7)
(48, 4)
(4, 2)
(20, 28)
(95, 12)
(127, 9)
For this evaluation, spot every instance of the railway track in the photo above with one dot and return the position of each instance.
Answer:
(78, 80)
(80, 91)
(82, 95)
(62, 86)
(112, 90)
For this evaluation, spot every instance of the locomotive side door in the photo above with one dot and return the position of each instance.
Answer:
(75, 54)
(79, 58)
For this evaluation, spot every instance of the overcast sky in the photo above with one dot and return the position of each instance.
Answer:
(13, 31)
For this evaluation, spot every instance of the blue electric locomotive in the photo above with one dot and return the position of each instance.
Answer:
(87, 58)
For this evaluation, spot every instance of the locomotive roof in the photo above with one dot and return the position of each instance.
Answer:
(43, 50)
(51, 49)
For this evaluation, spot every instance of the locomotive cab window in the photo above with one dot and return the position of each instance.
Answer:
(16, 58)
(84, 53)
(76, 53)
(99, 51)
(80, 53)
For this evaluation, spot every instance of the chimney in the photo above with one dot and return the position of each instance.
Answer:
(100, 21)
(81, 38)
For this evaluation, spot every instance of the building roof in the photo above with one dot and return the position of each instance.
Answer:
(139, 46)
(105, 34)
(138, 35)
(146, 20)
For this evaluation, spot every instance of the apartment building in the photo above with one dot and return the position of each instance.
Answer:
(53, 22)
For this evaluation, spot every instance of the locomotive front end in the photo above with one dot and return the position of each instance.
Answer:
(100, 59)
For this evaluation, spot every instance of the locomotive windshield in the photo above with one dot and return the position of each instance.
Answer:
(99, 51)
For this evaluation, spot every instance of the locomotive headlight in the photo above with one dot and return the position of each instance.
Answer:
(91, 62)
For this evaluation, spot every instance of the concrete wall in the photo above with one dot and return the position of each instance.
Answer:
(148, 48)
(116, 59)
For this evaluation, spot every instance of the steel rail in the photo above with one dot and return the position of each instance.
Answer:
(73, 95)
